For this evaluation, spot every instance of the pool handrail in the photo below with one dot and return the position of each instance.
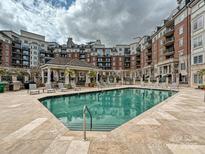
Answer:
(85, 108)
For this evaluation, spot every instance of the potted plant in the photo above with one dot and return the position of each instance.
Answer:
(2, 73)
(202, 73)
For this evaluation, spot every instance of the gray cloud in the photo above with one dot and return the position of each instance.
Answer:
(112, 21)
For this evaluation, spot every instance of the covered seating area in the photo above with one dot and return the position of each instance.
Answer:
(71, 72)
(80, 73)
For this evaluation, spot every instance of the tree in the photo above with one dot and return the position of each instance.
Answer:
(92, 74)
(35, 73)
(2, 71)
(69, 72)
(202, 72)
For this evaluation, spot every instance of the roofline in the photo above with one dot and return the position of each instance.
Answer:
(72, 67)
(5, 35)
(31, 33)
(10, 31)
(194, 2)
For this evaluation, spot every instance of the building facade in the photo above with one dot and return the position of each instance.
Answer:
(198, 42)
(174, 53)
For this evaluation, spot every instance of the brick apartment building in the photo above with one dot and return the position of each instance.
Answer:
(166, 56)
(198, 42)
(5, 50)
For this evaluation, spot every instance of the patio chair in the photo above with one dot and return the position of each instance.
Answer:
(99, 85)
(49, 88)
(174, 86)
(33, 89)
(61, 87)
(110, 84)
(104, 84)
(73, 85)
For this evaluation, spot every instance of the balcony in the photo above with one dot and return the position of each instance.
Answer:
(148, 45)
(138, 66)
(17, 40)
(169, 52)
(127, 55)
(15, 45)
(169, 32)
(16, 52)
(138, 53)
(138, 59)
(127, 60)
(169, 22)
(149, 52)
(169, 41)
(127, 66)
(138, 49)
(149, 59)
(17, 57)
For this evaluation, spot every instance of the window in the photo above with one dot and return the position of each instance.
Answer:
(181, 30)
(183, 66)
(197, 42)
(198, 59)
(198, 23)
(120, 49)
(198, 79)
(181, 42)
(161, 42)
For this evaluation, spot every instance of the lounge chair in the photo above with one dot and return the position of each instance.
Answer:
(33, 89)
(99, 85)
(104, 84)
(73, 85)
(49, 88)
(61, 87)
(174, 86)
(111, 84)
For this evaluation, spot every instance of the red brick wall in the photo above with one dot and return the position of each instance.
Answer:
(117, 64)
(5, 46)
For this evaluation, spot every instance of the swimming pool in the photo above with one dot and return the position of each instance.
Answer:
(109, 109)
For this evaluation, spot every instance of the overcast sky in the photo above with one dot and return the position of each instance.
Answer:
(112, 21)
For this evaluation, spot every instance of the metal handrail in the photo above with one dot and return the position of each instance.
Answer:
(85, 108)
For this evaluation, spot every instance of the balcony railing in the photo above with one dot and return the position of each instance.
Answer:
(15, 45)
(169, 32)
(148, 45)
(169, 22)
(138, 49)
(149, 52)
(169, 52)
(148, 59)
(169, 41)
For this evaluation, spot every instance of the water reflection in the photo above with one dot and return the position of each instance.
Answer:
(107, 108)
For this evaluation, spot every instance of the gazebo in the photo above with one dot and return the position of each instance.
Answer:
(55, 71)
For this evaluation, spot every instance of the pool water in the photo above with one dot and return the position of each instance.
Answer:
(109, 109)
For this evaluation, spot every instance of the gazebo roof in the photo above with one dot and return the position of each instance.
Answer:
(58, 61)
(70, 62)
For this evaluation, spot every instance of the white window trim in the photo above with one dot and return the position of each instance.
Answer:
(196, 37)
(196, 20)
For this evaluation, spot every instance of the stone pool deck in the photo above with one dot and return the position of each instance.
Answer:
(175, 126)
